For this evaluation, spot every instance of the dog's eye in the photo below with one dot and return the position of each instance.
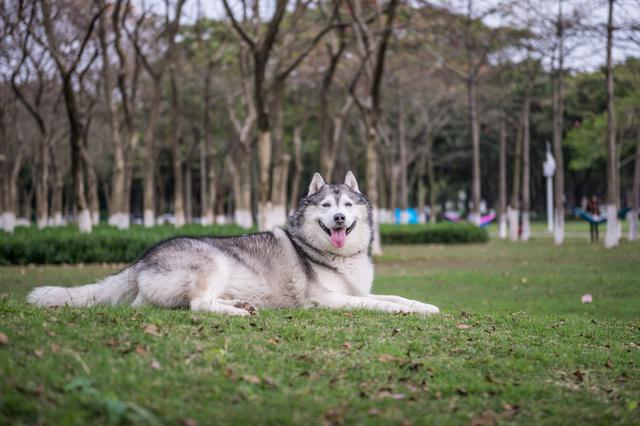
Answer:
(326, 205)
(348, 204)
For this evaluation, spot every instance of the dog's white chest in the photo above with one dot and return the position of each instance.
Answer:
(352, 276)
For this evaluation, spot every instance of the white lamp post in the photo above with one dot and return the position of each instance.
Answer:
(549, 169)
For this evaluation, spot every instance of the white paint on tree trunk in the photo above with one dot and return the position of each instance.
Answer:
(502, 232)
(376, 247)
(8, 221)
(95, 218)
(278, 215)
(149, 218)
(42, 222)
(243, 218)
(180, 220)
(119, 220)
(264, 216)
(632, 217)
(221, 219)
(207, 219)
(611, 238)
(558, 228)
(84, 221)
(526, 228)
(513, 216)
(56, 219)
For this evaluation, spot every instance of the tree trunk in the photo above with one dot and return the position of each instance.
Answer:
(502, 184)
(117, 215)
(475, 145)
(188, 194)
(294, 196)
(513, 211)
(209, 153)
(613, 197)
(280, 172)
(240, 169)
(149, 157)
(42, 183)
(57, 192)
(403, 191)
(372, 179)
(526, 171)
(558, 118)
(176, 150)
(264, 165)
(431, 181)
(635, 191)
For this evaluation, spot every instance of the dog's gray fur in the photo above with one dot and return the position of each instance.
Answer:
(321, 259)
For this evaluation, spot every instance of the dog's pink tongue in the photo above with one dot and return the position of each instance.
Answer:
(338, 236)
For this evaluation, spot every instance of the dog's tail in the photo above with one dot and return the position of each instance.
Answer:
(113, 290)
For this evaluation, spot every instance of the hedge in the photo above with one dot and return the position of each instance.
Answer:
(110, 245)
(441, 233)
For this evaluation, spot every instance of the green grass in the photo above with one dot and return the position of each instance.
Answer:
(532, 353)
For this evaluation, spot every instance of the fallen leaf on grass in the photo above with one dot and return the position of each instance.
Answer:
(140, 350)
(490, 379)
(249, 378)
(608, 364)
(374, 412)
(155, 365)
(273, 341)
(586, 298)
(3, 339)
(463, 326)
(462, 391)
(38, 353)
(389, 358)
(189, 422)
(385, 393)
(334, 416)
(510, 411)
(579, 375)
(151, 329)
(269, 382)
(483, 419)
(55, 348)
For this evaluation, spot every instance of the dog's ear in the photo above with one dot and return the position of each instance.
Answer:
(351, 182)
(316, 184)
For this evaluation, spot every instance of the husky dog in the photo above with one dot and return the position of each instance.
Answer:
(321, 259)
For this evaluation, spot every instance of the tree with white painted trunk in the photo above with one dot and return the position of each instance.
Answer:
(156, 68)
(372, 42)
(67, 64)
(239, 159)
(612, 237)
(33, 61)
(632, 216)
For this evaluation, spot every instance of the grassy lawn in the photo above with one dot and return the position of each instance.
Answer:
(514, 345)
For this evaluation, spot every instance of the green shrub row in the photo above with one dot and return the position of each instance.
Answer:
(107, 244)
(441, 233)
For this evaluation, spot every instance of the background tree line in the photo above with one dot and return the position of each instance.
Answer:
(135, 109)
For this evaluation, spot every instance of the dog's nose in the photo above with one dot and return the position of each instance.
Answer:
(339, 218)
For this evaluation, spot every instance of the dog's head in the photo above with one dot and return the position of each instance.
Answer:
(334, 218)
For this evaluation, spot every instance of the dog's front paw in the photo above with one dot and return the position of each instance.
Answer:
(425, 309)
